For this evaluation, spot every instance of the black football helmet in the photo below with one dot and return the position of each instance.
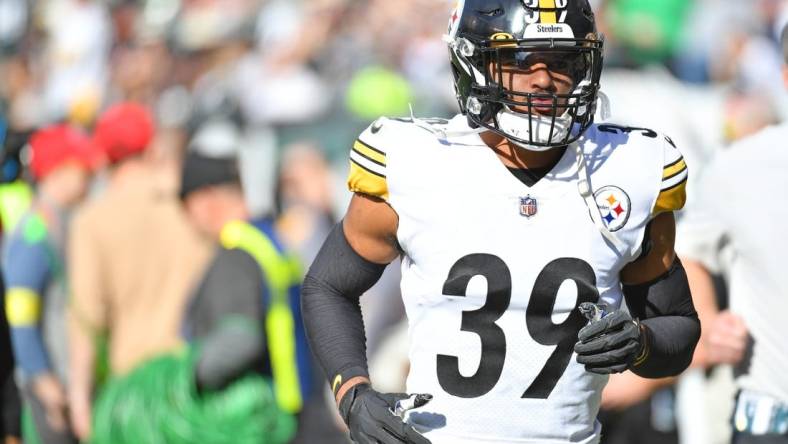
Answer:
(487, 35)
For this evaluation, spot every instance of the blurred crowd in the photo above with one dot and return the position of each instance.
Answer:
(152, 96)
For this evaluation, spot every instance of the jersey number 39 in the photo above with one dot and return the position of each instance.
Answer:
(538, 320)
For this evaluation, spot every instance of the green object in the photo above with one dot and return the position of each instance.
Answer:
(158, 403)
(101, 369)
(376, 91)
(35, 230)
(15, 199)
(281, 272)
(29, 432)
(650, 29)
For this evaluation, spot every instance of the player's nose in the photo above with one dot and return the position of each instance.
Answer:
(540, 78)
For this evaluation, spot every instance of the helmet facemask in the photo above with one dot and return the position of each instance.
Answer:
(536, 121)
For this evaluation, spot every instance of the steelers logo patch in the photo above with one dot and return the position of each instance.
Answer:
(614, 206)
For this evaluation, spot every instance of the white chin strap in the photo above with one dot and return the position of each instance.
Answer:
(517, 125)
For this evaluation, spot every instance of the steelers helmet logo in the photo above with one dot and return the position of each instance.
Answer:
(614, 206)
(454, 19)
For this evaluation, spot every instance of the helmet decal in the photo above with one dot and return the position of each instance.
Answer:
(545, 11)
(454, 20)
(552, 31)
(548, 21)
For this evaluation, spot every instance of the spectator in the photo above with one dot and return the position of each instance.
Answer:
(76, 52)
(134, 260)
(34, 266)
(246, 311)
(304, 199)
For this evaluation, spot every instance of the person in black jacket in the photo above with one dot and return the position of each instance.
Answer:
(10, 405)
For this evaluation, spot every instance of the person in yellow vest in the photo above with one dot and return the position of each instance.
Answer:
(15, 194)
(245, 314)
(15, 199)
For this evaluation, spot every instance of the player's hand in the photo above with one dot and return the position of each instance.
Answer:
(609, 345)
(50, 393)
(371, 419)
(727, 339)
(80, 410)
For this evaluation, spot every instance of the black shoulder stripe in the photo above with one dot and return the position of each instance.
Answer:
(367, 169)
(676, 185)
(371, 147)
(368, 158)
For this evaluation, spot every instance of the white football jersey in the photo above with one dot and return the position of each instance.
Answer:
(751, 255)
(493, 270)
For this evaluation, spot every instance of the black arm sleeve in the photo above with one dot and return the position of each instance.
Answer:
(230, 320)
(670, 322)
(330, 306)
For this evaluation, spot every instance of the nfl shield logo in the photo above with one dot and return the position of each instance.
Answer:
(527, 206)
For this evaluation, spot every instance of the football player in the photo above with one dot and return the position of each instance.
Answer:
(751, 257)
(508, 218)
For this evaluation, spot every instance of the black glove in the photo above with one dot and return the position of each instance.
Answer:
(611, 344)
(370, 417)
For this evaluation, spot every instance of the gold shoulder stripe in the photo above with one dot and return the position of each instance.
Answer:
(370, 153)
(674, 162)
(674, 168)
(671, 176)
(370, 147)
(672, 198)
(377, 160)
(22, 307)
(363, 180)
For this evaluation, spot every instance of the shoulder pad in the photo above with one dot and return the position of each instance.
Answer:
(671, 191)
(375, 146)
(673, 188)
(368, 161)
